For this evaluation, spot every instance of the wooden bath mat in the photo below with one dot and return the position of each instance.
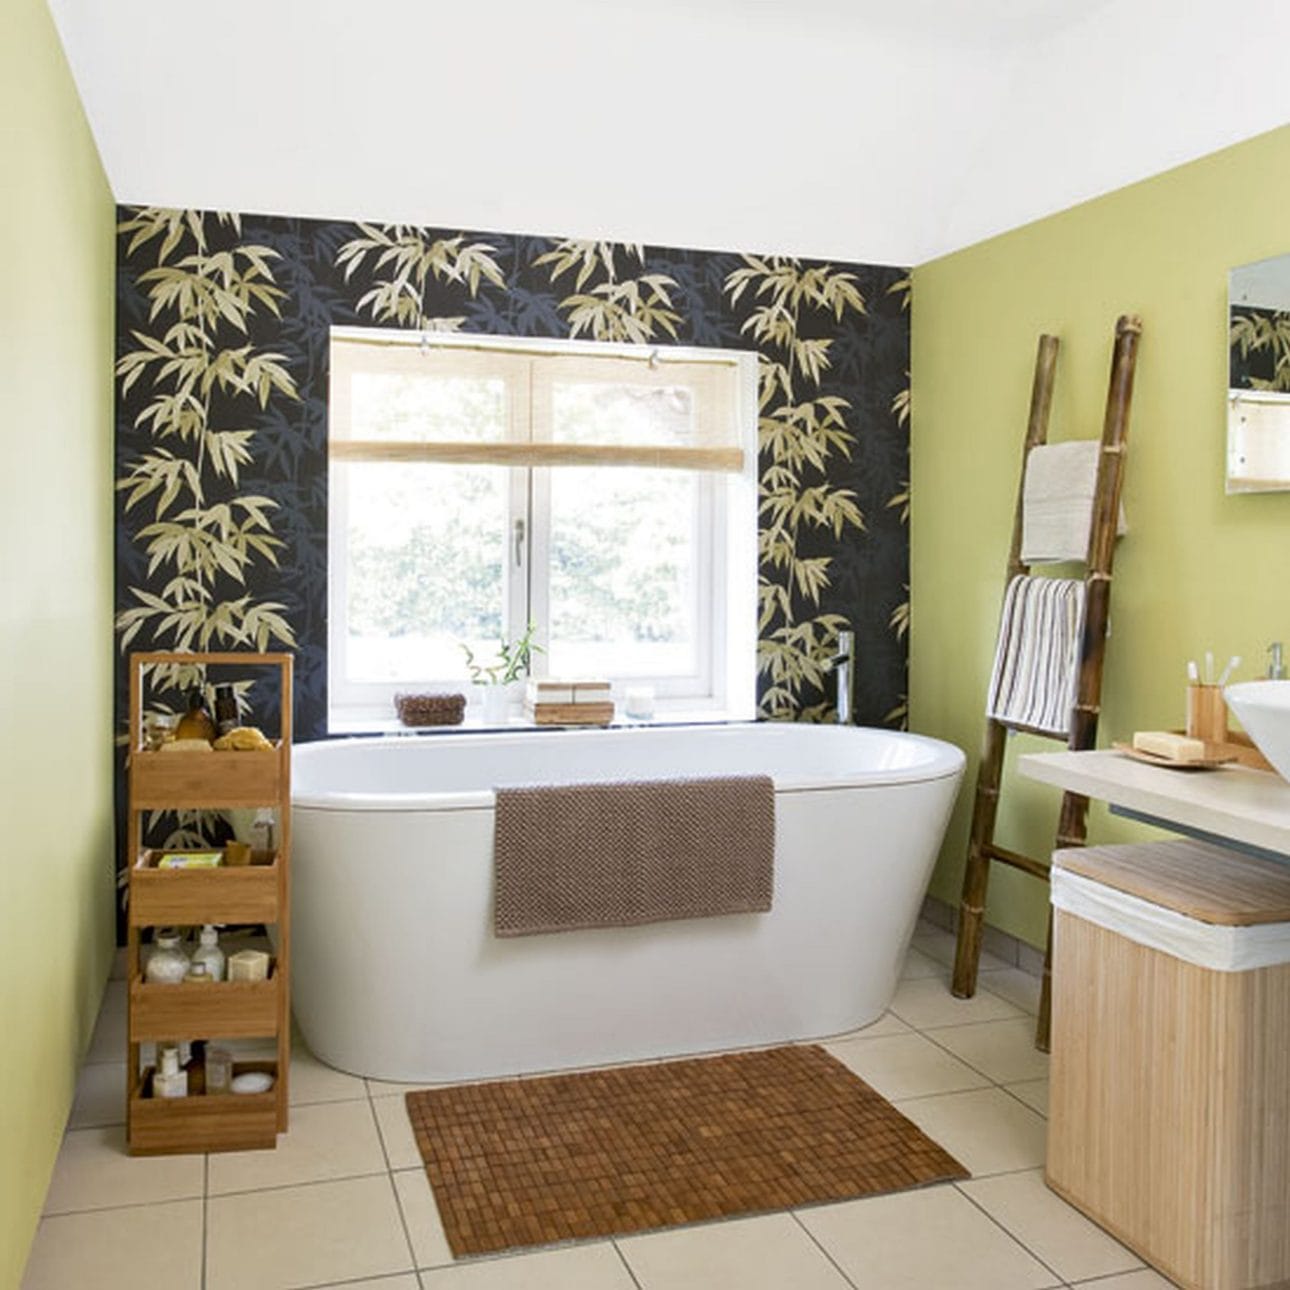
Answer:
(567, 1157)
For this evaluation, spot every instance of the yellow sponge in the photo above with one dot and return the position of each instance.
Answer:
(1164, 743)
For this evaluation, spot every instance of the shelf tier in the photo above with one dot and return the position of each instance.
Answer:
(191, 897)
(214, 1010)
(216, 780)
(225, 1122)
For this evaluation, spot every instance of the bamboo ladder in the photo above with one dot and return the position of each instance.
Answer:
(1073, 821)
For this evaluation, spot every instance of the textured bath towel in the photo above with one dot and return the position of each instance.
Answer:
(619, 854)
(1036, 661)
(1057, 501)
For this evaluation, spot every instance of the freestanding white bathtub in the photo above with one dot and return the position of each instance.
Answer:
(397, 974)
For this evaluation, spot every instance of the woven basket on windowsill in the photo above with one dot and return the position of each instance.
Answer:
(430, 709)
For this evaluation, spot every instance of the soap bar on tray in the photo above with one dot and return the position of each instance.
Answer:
(1164, 743)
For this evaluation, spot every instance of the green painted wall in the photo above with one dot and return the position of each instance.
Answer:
(56, 292)
(1199, 570)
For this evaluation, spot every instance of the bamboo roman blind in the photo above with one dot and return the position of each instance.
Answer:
(396, 400)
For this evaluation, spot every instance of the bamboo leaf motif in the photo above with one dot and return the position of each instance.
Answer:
(798, 435)
(411, 260)
(202, 368)
(1253, 333)
(632, 309)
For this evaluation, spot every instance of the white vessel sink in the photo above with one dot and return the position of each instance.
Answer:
(1263, 708)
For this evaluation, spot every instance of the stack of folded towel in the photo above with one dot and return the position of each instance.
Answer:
(1036, 662)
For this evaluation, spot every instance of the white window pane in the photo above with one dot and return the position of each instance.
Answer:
(426, 552)
(594, 412)
(430, 408)
(624, 572)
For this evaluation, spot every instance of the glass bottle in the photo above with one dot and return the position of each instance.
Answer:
(209, 953)
(196, 723)
(167, 964)
(226, 717)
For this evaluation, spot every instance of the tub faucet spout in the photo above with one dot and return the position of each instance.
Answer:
(841, 665)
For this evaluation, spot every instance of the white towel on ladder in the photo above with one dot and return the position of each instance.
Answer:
(1057, 501)
(1036, 661)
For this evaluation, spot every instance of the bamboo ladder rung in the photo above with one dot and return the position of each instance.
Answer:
(1086, 709)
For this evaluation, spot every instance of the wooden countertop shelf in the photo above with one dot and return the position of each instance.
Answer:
(223, 1122)
(213, 1010)
(191, 897)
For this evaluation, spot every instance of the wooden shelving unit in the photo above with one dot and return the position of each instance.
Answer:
(257, 893)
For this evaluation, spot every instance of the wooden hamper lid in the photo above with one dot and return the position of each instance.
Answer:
(1206, 882)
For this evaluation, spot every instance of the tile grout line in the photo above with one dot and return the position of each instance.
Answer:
(622, 1258)
(930, 1036)
(394, 1190)
(206, 1173)
(1060, 1280)
(819, 1245)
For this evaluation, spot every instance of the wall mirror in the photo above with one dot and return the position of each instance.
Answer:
(1258, 393)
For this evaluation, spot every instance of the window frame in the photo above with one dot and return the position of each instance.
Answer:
(725, 512)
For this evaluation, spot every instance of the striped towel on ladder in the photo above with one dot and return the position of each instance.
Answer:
(1036, 662)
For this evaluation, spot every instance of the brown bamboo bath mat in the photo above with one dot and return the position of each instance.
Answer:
(601, 1153)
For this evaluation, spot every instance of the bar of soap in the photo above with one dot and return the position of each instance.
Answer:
(1164, 743)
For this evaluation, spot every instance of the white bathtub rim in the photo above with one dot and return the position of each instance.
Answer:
(946, 761)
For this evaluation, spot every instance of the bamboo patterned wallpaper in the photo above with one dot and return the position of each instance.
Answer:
(222, 342)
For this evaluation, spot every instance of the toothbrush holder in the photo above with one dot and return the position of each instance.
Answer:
(1206, 714)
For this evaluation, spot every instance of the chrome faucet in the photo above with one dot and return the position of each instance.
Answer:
(841, 665)
(1276, 668)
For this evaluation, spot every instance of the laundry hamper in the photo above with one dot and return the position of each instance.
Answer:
(1169, 1106)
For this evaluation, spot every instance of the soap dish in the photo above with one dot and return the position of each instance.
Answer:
(1154, 759)
(252, 1082)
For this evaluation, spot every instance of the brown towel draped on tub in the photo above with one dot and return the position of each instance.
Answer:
(619, 854)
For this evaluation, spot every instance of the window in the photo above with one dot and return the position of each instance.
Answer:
(605, 493)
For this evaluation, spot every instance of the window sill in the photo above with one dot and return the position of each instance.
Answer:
(347, 726)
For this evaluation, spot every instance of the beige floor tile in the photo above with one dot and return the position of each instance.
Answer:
(918, 965)
(1033, 1092)
(1016, 986)
(313, 1081)
(421, 1214)
(1146, 1279)
(1049, 1228)
(986, 1130)
(940, 945)
(396, 1132)
(576, 1267)
(764, 1253)
(100, 1096)
(927, 1002)
(327, 1140)
(404, 1281)
(906, 1065)
(119, 1249)
(923, 1240)
(305, 1236)
(93, 1172)
(1003, 1050)
(107, 1043)
(114, 997)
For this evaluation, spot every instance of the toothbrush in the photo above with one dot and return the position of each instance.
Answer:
(1193, 672)
(1209, 667)
(1232, 664)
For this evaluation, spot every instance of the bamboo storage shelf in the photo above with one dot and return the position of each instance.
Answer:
(258, 893)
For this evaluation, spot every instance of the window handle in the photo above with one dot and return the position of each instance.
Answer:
(518, 529)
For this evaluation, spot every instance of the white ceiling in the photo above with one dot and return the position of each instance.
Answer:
(886, 132)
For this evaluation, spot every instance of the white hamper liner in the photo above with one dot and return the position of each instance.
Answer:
(1207, 945)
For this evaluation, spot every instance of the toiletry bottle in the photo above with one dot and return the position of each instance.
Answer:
(219, 1070)
(263, 831)
(169, 1080)
(195, 1068)
(167, 964)
(196, 723)
(225, 709)
(209, 953)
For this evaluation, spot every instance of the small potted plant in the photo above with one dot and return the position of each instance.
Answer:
(496, 678)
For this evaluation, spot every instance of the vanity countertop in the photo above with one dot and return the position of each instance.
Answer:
(1231, 804)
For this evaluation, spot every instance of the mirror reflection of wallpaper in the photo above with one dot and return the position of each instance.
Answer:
(1259, 348)
(222, 342)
